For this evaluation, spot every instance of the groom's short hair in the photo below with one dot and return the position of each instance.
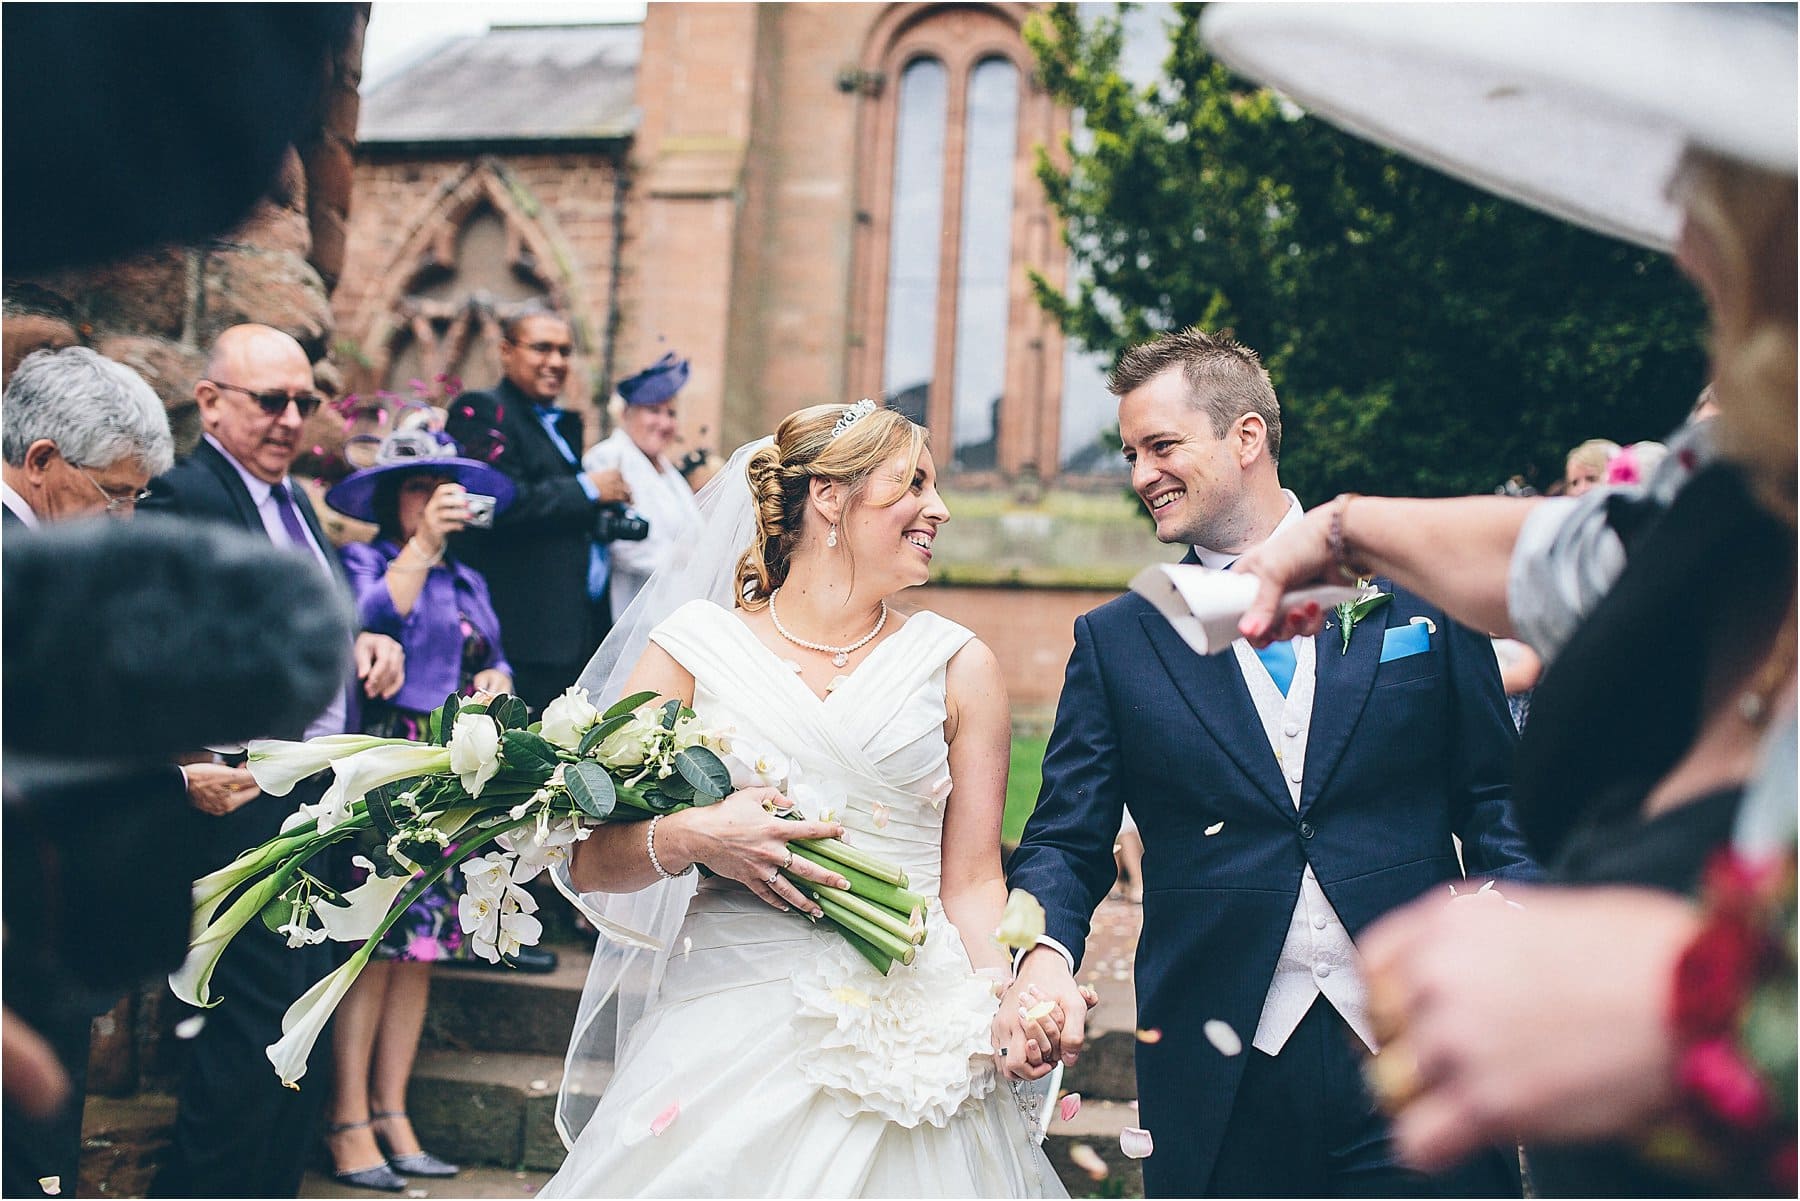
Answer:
(1225, 378)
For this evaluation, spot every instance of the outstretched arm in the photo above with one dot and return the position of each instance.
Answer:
(1454, 552)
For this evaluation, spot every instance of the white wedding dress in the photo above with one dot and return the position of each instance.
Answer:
(774, 1061)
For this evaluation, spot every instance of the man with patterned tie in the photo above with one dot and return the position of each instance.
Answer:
(1285, 803)
(545, 569)
(238, 1131)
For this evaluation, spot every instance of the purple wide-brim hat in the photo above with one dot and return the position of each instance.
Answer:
(354, 495)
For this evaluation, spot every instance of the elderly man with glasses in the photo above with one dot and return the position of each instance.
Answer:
(238, 1131)
(83, 435)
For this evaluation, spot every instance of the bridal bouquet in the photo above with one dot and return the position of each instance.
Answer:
(500, 799)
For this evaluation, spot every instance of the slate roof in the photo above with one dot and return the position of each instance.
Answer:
(513, 83)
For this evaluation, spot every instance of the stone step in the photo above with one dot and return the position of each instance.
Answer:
(1097, 1127)
(487, 1107)
(479, 1008)
(470, 1182)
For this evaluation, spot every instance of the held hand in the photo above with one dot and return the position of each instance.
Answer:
(492, 682)
(1296, 558)
(217, 789)
(1547, 1021)
(742, 838)
(1027, 1041)
(380, 665)
(445, 513)
(611, 486)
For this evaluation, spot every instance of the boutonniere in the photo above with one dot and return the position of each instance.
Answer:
(1351, 612)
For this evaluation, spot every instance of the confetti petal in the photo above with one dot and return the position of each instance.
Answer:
(687, 948)
(1224, 1039)
(52, 1185)
(851, 996)
(190, 1027)
(1088, 1160)
(666, 1118)
(1136, 1142)
(1040, 1011)
(540, 1086)
(1149, 1036)
(1068, 1107)
(881, 815)
(1213, 829)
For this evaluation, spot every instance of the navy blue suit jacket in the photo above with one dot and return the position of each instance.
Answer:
(1400, 756)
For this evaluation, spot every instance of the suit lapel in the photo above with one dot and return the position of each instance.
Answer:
(1214, 689)
(1340, 690)
(233, 484)
(303, 504)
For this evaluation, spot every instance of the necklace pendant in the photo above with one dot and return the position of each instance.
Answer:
(839, 659)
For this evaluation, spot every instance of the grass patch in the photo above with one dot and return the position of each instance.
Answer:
(1022, 781)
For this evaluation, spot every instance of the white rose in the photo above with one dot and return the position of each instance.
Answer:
(628, 746)
(568, 717)
(689, 733)
(475, 750)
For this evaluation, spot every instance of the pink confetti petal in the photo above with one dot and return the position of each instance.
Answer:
(1068, 1107)
(1088, 1160)
(666, 1118)
(1136, 1142)
(1149, 1037)
(881, 815)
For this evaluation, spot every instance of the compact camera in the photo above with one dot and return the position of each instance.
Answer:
(481, 510)
(615, 521)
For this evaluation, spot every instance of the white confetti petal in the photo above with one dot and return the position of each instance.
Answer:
(1136, 1142)
(1223, 1038)
(540, 1086)
(1213, 829)
(52, 1185)
(190, 1027)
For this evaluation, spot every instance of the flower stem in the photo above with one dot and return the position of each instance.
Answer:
(881, 892)
(879, 959)
(887, 919)
(889, 943)
(841, 852)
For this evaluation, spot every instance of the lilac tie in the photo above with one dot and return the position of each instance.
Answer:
(290, 519)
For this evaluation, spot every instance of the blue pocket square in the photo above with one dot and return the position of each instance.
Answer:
(1400, 641)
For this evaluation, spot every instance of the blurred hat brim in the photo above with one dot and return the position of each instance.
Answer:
(354, 495)
(1580, 110)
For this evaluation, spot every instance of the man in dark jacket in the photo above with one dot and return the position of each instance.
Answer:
(543, 564)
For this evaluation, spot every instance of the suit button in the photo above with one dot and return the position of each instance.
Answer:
(1306, 829)
(1321, 970)
(1318, 921)
(1291, 729)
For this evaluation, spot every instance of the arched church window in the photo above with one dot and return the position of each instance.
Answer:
(984, 262)
(910, 345)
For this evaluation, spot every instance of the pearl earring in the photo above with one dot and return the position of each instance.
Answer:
(831, 537)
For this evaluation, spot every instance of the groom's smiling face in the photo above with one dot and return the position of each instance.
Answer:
(1190, 478)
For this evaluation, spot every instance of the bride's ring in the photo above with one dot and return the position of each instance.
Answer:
(773, 876)
(789, 861)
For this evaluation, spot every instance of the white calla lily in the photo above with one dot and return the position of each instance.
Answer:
(305, 1019)
(192, 980)
(278, 766)
(474, 750)
(363, 907)
(370, 769)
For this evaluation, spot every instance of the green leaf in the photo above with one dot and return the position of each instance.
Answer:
(529, 753)
(601, 732)
(381, 808)
(676, 789)
(280, 908)
(443, 719)
(626, 704)
(510, 713)
(591, 787)
(702, 769)
(670, 712)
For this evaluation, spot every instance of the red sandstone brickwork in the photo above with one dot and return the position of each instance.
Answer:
(1030, 630)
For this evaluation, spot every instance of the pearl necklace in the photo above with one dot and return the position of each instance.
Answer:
(840, 655)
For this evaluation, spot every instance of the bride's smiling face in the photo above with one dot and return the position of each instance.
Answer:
(895, 540)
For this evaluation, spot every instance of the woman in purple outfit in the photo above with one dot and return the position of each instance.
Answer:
(417, 493)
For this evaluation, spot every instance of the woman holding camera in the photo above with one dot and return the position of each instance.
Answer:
(643, 413)
(417, 494)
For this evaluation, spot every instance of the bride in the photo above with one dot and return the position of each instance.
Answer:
(743, 1050)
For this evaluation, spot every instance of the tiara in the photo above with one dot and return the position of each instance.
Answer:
(852, 415)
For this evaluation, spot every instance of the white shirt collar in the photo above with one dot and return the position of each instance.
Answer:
(21, 509)
(1222, 559)
(259, 489)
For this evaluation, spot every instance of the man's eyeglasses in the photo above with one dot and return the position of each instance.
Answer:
(115, 502)
(274, 402)
(546, 349)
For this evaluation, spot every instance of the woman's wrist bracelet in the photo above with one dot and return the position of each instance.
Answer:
(650, 846)
(1334, 539)
(412, 544)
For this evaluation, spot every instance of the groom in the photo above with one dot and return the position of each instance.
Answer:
(1285, 802)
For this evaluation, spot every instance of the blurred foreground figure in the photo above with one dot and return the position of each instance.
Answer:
(1636, 1057)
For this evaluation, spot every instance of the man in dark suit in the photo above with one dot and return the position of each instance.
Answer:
(238, 1131)
(546, 571)
(1285, 802)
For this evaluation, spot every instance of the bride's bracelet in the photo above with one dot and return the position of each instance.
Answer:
(650, 845)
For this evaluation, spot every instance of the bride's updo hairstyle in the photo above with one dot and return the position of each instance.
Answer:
(806, 449)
